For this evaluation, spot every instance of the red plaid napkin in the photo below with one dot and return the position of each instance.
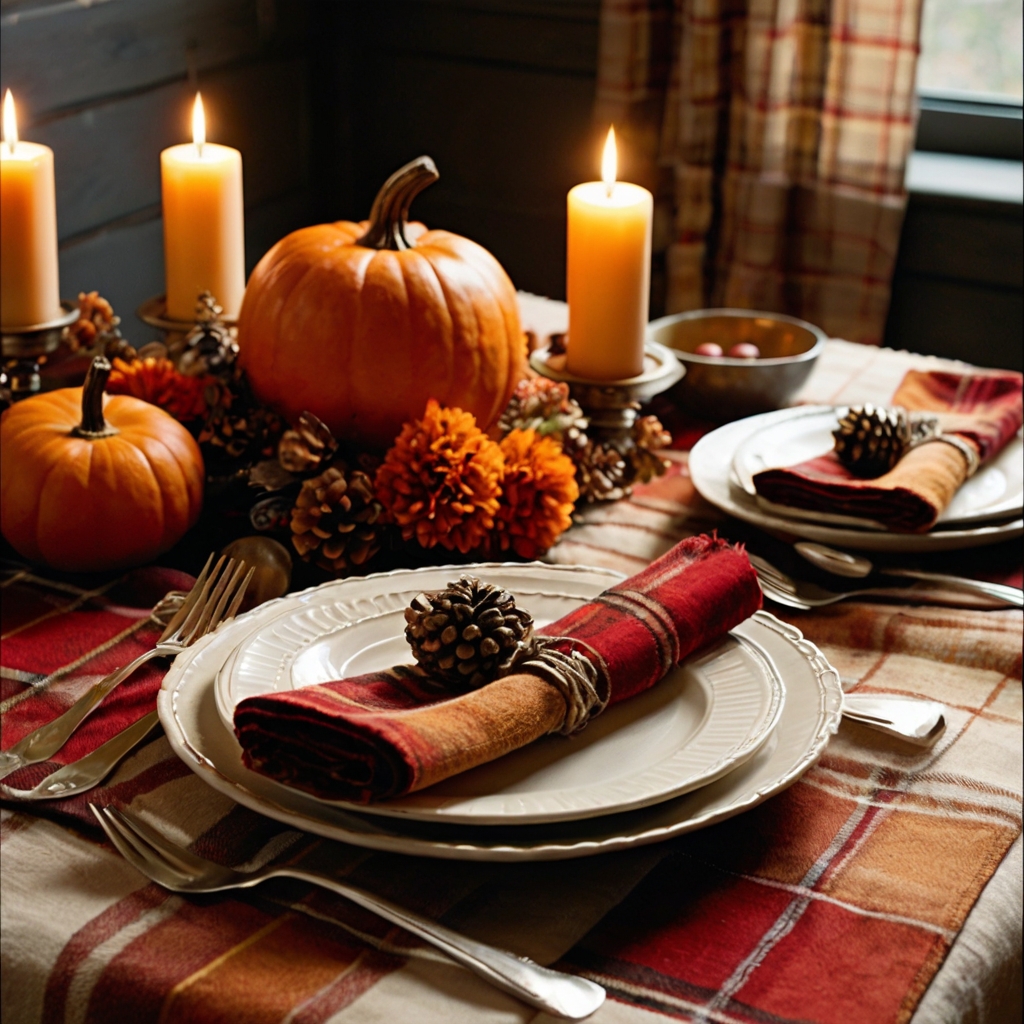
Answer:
(984, 410)
(387, 734)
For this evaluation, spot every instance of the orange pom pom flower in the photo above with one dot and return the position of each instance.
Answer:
(538, 493)
(441, 480)
(160, 382)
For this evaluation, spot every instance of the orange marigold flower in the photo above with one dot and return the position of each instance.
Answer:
(160, 382)
(441, 480)
(538, 493)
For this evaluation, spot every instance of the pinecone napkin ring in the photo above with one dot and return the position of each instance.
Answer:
(471, 633)
(870, 440)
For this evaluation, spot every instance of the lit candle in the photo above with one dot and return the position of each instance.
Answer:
(203, 223)
(608, 274)
(29, 283)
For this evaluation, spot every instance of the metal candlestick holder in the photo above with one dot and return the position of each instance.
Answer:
(24, 348)
(611, 406)
(153, 313)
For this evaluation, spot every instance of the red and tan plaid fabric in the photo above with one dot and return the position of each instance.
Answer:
(845, 899)
(389, 733)
(783, 132)
(982, 409)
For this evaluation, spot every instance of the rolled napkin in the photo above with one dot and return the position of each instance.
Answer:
(389, 733)
(980, 410)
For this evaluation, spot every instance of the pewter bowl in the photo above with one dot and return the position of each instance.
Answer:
(724, 388)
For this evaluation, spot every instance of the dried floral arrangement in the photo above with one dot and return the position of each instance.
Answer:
(443, 486)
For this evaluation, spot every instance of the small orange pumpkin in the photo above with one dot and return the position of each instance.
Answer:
(113, 490)
(361, 324)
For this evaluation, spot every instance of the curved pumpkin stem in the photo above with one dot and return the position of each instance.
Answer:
(93, 424)
(391, 207)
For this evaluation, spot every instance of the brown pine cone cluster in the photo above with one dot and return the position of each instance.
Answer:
(239, 430)
(210, 346)
(649, 436)
(602, 473)
(870, 440)
(467, 634)
(307, 446)
(336, 521)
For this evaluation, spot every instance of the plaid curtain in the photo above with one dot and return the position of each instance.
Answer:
(776, 134)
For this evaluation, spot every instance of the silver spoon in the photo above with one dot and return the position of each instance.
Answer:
(841, 563)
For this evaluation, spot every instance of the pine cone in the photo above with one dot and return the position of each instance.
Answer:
(210, 346)
(238, 430)
(467, 634)
(336, 519)
(648, 437)
(307, 446)
(602, 474)
(869, 441)
(544, 405)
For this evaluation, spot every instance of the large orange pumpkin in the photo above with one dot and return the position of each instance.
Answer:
(88, 484)
(361, 324)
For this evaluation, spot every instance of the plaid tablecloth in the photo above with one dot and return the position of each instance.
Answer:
(877, 889)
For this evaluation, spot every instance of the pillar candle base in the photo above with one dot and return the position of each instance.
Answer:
(611, 405)
(25, 347)
(153, 313)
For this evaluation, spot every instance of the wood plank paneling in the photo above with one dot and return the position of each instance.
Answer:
(510, 137)
(125, 262)
(966, 240)
(107, 157)
(55, 55)
(957, 319)
(559, 37)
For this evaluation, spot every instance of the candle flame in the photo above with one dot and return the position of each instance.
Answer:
(609, 161)
(10, 122)
(198, 124)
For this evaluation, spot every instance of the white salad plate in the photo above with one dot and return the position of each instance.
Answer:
(791, 436)
(810, 715)
(712, 472)
(701, 721)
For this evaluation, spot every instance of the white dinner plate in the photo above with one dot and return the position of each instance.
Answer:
(711, 469)
(810, 715)
(791, 436)
(701, 721)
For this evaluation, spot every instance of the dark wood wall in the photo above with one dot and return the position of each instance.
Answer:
(498, 92)
(325, 98)
(108, 86)
(958, 290)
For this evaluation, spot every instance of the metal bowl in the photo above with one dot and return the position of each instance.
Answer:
(723, 388)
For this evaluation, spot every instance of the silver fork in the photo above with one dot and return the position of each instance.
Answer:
(214, 598)
(180, 870)
(805, 595)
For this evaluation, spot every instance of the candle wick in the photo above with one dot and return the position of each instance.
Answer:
(12, 145)
(608, 188)
(199, 149)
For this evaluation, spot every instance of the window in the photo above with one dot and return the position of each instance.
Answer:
(971, 78)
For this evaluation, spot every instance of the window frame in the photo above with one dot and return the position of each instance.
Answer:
(970, 124)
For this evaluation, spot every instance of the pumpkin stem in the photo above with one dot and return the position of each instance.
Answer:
(93, 424)
(391, 207)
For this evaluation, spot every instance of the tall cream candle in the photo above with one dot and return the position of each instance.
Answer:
(29, 280)
(204, 233)
(608, 274)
